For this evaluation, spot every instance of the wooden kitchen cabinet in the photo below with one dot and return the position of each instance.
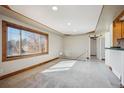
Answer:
(122, 29)
(118, 28)
(117, 32)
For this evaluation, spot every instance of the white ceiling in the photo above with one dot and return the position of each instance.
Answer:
(83, 18)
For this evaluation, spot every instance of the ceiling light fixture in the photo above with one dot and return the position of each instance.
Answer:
(68, 23)
(54, 8)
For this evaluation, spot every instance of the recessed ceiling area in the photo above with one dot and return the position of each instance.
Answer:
(67, 19)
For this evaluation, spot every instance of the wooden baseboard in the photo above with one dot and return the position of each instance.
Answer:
(24, 69)
(6, 6)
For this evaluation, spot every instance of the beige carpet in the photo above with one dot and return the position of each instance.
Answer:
(70, 74)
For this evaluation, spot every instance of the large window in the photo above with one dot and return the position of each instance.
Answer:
(13, 42)
(20, 42)
(30, 43)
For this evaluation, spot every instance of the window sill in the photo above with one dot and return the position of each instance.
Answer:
(23, 56)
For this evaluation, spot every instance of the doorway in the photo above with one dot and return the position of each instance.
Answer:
(93, 47)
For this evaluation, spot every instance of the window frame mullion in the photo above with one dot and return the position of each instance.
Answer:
(20, 42)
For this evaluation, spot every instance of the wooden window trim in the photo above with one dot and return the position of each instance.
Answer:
(6, 6)
(5, 24)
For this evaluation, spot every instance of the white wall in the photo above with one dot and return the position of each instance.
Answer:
(76, 45)
(98, 48)
(55, 46)
(101, 47)
(109, 37)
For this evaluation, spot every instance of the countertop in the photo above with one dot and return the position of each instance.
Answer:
(114, 48)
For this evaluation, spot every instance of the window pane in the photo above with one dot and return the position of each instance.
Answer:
(43, 44)
(13, 42)
(30, 43)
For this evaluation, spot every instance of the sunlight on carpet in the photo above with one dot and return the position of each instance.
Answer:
(61, 66)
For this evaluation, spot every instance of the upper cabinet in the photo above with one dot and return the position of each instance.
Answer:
(118, 28)
(117, 33)
(122, 29)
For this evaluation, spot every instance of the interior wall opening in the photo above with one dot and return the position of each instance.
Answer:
(93, 46)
